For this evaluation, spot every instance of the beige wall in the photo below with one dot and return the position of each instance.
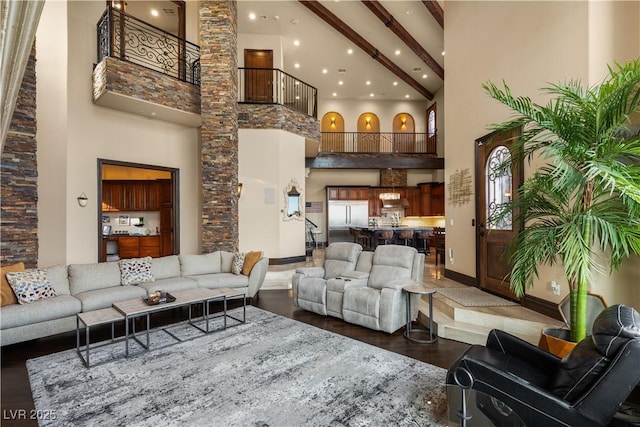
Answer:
(75, 133)
(528, 44)
(269, 160)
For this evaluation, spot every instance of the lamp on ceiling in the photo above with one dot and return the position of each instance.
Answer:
(83, 200)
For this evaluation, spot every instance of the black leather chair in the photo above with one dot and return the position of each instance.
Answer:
(511, 382)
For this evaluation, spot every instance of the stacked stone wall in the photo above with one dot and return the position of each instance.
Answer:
(19, 178)
(274, 116)
(219, 131)
(393, 178)
(124, 78)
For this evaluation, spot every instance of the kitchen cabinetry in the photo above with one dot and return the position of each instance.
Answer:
(130, 196)
(348, 193)
(432, 198)
(137, 246)
(414, 197)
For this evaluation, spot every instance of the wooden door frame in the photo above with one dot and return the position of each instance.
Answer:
(518, 177)
(175, 188)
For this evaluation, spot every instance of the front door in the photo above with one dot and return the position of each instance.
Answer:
(258, 77)
(493, 188)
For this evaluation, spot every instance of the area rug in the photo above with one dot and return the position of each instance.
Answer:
(473, 297)
(270, 371)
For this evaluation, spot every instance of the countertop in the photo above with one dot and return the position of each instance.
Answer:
(389, 227)
(115, 236)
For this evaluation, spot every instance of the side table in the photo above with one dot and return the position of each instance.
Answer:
(419, 290)
(94, 318)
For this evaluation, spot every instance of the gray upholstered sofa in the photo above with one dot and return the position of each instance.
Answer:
(86, 287)
(361, 287)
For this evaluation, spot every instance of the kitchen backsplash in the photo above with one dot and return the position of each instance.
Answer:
(133, 223)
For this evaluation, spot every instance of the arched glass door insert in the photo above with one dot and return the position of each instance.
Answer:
(499, 188)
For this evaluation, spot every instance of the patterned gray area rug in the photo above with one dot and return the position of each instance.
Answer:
(270, 371)
(474, 297)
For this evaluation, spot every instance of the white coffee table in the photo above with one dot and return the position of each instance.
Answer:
(94, 318)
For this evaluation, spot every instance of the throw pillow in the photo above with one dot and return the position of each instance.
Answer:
(250, 259)
(238, 262)
(31, 285)
(7, 296)
(135, 271)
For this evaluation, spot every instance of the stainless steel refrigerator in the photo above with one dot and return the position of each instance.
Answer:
(344, 214)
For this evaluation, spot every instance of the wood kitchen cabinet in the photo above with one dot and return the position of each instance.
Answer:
(432, 195)
(150, 246)
(347, 193)
(130, 196)
(138, 246)
(414, 197)
(128, 247)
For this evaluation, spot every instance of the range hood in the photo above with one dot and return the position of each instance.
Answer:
(395, 203)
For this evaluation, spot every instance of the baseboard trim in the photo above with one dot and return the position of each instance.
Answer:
(460, 278)
(541, 306)
(288, 260)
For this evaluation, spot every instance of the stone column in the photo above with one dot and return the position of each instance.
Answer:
(393, 177)
(219, 131)
(19, 177)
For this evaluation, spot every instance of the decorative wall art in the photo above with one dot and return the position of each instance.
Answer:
(460, 187)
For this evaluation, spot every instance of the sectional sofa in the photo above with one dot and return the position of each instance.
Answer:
(361, 287)
(87, 287)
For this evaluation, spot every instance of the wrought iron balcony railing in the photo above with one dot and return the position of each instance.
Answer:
(274, 86)
(122, 36)
(378, 142)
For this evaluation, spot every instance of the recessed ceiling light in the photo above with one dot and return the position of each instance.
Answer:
(368, 82)
(340, 82)
(252, 16)
(154, 12)
(295, 21)
(443, 53)
(325, 71)
(371, 94)
(276, 18)
(424, 76)
(297, 96)
(406, 96)
(296, 42)
(335, 93)
(397, 52)
(395, 83)
(409, 12)
(349, 51)
(296, 65)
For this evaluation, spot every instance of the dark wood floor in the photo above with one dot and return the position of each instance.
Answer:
(16, 392)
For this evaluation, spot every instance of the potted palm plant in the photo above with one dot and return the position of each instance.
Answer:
(587, 195)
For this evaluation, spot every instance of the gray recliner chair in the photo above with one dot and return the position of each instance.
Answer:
(381, 305)
(310, 283)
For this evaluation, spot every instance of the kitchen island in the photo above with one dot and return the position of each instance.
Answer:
(370, 237)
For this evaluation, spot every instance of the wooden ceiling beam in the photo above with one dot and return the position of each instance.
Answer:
(359, 161)
(390, 22)
(436, 10)
(327, 16)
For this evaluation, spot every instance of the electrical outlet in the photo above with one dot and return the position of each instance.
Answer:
(555, 287)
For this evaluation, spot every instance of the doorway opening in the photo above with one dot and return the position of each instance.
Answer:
(139, 213)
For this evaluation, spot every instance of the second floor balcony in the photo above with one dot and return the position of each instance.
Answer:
(378, 142)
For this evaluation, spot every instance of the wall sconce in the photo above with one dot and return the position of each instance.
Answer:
(83, 200)
(239, 189)
(403, 122)
(332, 125)
(367, 122)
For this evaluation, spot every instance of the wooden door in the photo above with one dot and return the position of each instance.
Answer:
(493, 188)
(258, 77)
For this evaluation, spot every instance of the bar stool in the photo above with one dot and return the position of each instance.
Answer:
(362, 239)
(405, 236)
(423, 236)
(385, 237)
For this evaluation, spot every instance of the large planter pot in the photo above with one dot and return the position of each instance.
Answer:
(556, 341)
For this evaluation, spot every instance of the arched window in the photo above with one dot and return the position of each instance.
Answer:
(432, 132)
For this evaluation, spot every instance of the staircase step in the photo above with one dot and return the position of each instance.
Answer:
(464, 332)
